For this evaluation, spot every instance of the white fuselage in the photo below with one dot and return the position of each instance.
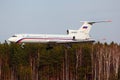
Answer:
(43, 38)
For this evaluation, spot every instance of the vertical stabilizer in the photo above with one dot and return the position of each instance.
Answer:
(83, 32)
(86, 27)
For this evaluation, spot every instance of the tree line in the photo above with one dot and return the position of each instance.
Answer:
(83, 61)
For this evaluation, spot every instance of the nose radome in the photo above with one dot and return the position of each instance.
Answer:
(11, 40)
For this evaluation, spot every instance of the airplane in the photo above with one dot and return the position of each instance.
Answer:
(73, 36)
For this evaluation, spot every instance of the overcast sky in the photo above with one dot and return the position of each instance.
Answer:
(56, 16)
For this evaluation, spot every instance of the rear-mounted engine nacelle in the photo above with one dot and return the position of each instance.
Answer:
(72, 31)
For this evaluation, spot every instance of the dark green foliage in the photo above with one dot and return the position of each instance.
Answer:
(17, 55)
(35, 62)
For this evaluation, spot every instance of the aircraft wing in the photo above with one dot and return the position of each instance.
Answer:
(76, 41)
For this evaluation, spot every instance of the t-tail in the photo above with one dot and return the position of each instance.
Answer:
(83, 32)
(86, 27)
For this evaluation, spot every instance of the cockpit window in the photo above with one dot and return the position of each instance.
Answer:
(14, 36)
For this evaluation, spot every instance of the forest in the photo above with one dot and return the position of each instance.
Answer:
(83, 61)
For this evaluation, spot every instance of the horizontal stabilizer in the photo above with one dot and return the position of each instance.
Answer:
(93, 22)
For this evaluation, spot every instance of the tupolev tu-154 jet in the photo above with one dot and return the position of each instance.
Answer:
(72, 36)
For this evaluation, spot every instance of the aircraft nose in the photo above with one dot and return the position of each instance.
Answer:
(11, 39)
